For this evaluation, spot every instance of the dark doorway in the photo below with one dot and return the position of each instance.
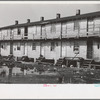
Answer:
(89, 49)
(26, 31)
(11, 47)
(0, 48)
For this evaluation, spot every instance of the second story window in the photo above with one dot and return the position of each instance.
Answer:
(34, 29)
(76, 25)
(19, 31)
(53, 28)
(33, 46)
(64, 28)
(90, 24)
(43, 29)
(52, 46)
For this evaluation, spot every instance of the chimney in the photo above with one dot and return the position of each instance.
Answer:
(16, 22)
(58, 16)
(41, 18)
(28, 20)
(78, 12)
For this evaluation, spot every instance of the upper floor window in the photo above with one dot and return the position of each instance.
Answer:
(19, 31)
(64, 28)
(44, 29)
(34, 29)
(90, 20)
(53, 28)
(52, 46)
(76, 25)
(90, 23)
(34, 46)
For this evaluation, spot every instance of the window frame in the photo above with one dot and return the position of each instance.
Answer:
(98, 46)
(76, 46)
(19, 31)
(43, 29)
(91, 23)
(18, 46)
(52, 48)
(25, 31)
(33, 46)
(53, 28)
(76, 25)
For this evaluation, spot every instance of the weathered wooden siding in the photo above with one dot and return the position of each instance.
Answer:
(33, 53)
(64, 49)
(17, 53)
(64, 29)
(70, 28)
(38, 34)
(48, 31)
(97, 25)
(34, 32)
(67, 49)
(83, 28)
(0, 35)
(46, 50)
(58, 30)
(15, 33)
(83, 49)
(5, 34)
(5, 49)
(96, 50)
(43, 32)
(94, 26)
(31, 32)
(53, 30)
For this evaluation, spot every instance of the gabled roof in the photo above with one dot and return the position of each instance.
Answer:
(81, 16)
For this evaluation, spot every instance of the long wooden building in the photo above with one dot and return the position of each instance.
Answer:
(54, 38)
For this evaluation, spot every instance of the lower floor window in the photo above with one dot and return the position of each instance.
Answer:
(34, 46)
(3, 46)
(76, 47)
(98, 46)
(52, 46)
(18, 46)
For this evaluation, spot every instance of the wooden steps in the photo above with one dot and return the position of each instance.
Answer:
(87, 63)
(60, 62)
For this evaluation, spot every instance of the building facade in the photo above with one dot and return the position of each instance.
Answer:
(71, 36)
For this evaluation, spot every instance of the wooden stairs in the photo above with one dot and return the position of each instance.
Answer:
(87, 63)
(60, 62)
(39, 59)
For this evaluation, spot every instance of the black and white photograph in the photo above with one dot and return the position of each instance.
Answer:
(49, 43)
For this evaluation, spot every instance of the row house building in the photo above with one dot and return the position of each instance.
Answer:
(60, 37)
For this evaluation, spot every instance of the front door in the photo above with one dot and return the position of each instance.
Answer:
(89, 49)
(26, 33)
(64, 51)
(25, 49)
(11, 47)
(43, 50)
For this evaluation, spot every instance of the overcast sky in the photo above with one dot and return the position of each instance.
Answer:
(21, 12)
